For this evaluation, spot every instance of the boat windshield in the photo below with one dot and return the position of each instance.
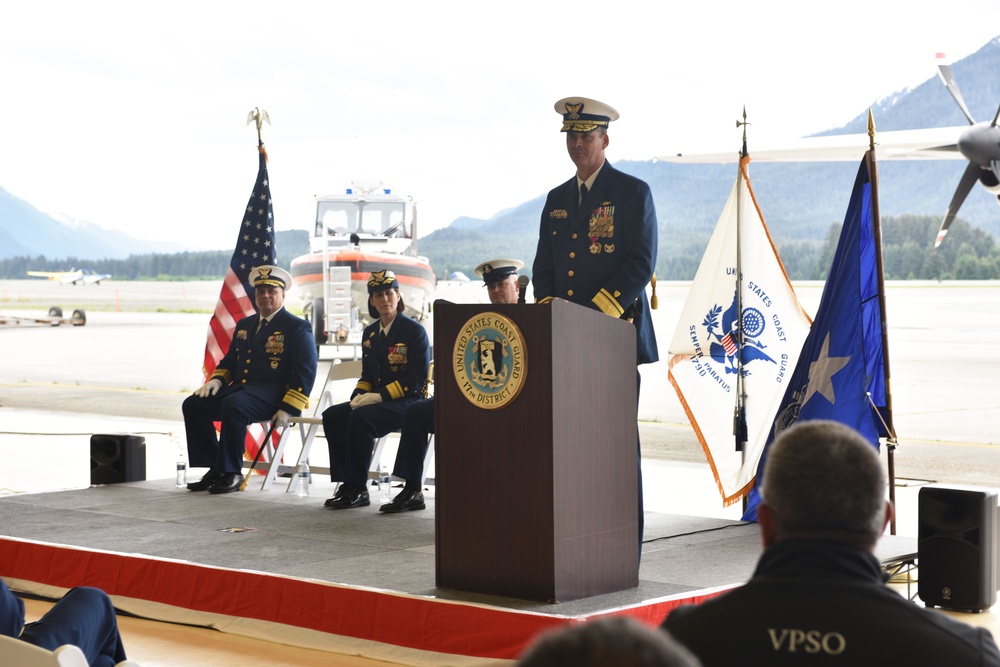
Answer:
(359, 217)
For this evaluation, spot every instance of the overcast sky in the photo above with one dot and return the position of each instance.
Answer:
(132, 115)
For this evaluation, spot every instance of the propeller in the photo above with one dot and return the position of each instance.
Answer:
(980, 144)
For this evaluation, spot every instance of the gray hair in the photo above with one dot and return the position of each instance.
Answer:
(621, 641)
(822, 477)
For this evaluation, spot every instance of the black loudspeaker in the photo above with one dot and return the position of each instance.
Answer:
(956, 547)
(117, 457)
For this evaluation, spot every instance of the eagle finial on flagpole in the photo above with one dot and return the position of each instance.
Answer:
(259, 115)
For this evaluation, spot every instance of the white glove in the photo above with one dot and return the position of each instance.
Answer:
(280, 419)
(210, 388)
(370, 398)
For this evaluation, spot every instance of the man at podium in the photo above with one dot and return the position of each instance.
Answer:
(597, 237)
(500, 280)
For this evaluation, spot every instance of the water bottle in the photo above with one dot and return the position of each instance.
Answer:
(302, 490)
(384, 484)
(181, 463)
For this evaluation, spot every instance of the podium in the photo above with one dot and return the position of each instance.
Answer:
(537, 451)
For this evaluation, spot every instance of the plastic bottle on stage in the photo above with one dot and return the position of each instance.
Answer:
(181, 462)
(384, 483)
(302, 490)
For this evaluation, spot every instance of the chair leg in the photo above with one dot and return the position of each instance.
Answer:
(428, 460)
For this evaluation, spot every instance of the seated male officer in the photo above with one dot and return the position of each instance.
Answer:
(500, 279)
(267, 374)
(395, 356)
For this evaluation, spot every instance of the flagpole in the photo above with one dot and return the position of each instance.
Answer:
(739, 413)
(890, 442)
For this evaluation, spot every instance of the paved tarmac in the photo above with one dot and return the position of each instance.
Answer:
(140, 354)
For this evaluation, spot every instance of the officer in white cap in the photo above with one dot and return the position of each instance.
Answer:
(267, 374)
(500, 279)
(597, 237)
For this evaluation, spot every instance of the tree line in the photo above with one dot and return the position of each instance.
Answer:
(967, 253)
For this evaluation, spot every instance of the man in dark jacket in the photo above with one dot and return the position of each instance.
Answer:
(395, 358)
(818, 595)
(267, 374)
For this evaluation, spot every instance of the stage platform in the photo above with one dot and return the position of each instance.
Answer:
(275, 566)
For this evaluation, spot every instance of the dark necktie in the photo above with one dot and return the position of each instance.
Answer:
(261, 325)
(583, 192)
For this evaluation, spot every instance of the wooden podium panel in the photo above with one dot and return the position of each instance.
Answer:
(537, 499)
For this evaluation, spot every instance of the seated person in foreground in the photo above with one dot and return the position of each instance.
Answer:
(819, 595)
(395, 356)
(618, 641)
(500, 280)
(267, 374)
(84, 617)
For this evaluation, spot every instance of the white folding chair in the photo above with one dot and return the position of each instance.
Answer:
(307, 426)
(15, 652)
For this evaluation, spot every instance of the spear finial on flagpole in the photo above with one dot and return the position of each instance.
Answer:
(743, 124)
(871, 130)
(259, 115)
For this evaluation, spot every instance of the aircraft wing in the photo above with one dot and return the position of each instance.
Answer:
(64, 277)
(50, 275)
(939, 143)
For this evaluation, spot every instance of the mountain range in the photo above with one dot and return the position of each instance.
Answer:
(799, 201)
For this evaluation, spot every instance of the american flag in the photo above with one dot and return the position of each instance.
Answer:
(254, 247)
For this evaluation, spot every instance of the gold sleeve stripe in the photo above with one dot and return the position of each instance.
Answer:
(545, 300)
(296, 399)
(363, 386)
(222, 375)
(395, 390)
(608, 304)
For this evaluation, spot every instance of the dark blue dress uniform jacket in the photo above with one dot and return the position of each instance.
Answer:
(398, 367)
(601, 254)
(277, 364)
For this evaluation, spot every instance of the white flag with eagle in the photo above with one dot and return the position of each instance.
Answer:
(737, 341)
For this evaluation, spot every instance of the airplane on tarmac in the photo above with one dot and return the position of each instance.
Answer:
(72, 277)
(979, 143)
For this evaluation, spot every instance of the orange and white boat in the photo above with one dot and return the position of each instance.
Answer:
(366, 229)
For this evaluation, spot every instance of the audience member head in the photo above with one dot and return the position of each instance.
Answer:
(618, 641)
(823, 480)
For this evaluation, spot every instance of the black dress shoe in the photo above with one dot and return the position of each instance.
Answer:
(228, 483)
(353, 497)
(407, 500)
(210, 478)
(337, 496)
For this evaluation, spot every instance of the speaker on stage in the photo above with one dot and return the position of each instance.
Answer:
(956, 547)
(117, 457)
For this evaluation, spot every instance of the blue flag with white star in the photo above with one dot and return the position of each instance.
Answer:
(842, 360)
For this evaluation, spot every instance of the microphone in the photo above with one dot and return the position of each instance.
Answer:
(522, 284)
